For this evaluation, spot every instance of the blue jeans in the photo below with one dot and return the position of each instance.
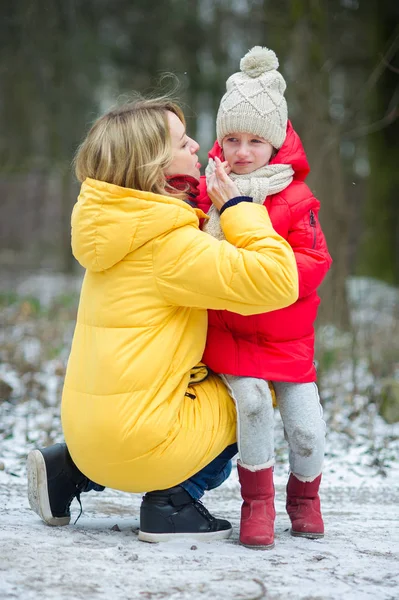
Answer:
(212, 475)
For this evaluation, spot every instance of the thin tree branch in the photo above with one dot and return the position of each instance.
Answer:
(380, 68)
(390, 67)
(388, 119)
(375, 75)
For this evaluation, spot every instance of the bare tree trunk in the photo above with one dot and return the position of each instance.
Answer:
(379, 249)
(321, 139)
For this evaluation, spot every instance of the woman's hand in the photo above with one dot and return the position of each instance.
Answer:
(220, 187)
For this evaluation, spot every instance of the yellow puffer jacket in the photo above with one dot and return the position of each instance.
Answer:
(141, 328)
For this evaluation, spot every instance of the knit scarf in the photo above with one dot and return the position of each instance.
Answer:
(187, 184)
(259, 184)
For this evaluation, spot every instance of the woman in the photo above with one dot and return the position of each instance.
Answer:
(139, 412)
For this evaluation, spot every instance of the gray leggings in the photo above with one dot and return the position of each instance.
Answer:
(302, 417)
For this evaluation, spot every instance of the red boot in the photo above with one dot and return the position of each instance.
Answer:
(257, 511)
(303, 507)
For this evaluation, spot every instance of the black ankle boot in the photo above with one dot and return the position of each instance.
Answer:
(173, 513)
(53, 482)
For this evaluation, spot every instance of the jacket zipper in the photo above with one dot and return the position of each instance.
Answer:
(313, 224)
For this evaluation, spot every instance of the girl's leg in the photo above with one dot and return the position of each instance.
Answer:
(255, 425)
(304, 427)
(305, 431)
(255, 420)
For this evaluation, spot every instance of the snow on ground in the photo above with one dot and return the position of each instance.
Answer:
(100, 556)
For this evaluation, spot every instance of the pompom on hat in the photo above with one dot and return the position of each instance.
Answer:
(254, 100)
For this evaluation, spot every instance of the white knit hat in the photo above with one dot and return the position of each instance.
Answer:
(254, 100)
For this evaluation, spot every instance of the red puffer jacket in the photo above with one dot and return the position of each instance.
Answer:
(279, 345)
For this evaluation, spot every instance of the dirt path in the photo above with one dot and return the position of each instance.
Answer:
(358, 559)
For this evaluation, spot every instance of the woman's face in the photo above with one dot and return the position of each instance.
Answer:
(246, 152)
(185, 159)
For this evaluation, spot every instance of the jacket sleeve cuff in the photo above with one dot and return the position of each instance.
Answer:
(234, 202)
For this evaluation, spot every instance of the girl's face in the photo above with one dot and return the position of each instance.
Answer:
(246, 152)
(184, 149)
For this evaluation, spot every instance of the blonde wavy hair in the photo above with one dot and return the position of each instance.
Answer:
(130, 146)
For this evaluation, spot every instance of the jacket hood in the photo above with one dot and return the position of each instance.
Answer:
(291, 153)
(109, 222)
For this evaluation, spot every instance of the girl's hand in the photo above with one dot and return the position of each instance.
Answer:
(226, 167)
(220, 187)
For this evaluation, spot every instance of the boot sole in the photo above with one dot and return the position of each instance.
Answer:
(38, 490)
(258, 547)
(153, 538)
(310, 536)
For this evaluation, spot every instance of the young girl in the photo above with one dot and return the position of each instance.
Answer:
(268, 164)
